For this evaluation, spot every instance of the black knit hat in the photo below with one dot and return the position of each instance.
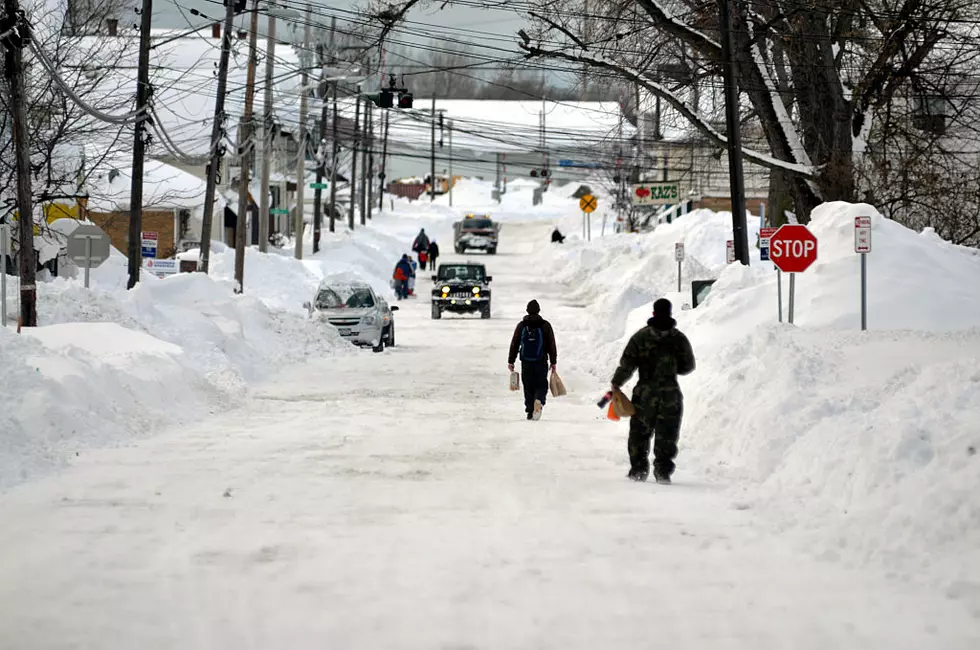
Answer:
(662, 308)
(533, 307)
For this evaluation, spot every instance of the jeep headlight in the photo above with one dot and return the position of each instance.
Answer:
(445, 289)
(476, 291)
(369, 320)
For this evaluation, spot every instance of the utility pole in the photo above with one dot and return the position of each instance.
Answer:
(135, 248)
(266, 126)
(369, 174)
(301, 162)
(737, 182)
(384, 157)
(432, 157)
(322, 157)
(366, 183)
(219, 115)
(241, 225)
(14, 67)
(335, 149)
(353, 159)
(451, 163)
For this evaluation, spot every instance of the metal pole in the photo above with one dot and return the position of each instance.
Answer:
(353, 164)
(779, 293)
(134, 250)
(241, 225)
(88, 258)
(270, 55)
(301, 162)
(451, 163)
(864, 291)
(219, 115)
(679, 276)
(736, 180)
(792, 295)
(432, 157)
(369, 172)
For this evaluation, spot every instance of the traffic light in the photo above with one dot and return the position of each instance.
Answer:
(405, 100)
(534, 173)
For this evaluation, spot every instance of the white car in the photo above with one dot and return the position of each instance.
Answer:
(359, 314)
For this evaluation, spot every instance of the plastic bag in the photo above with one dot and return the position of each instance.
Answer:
(557, 385)
(621, 405)
(515, 380)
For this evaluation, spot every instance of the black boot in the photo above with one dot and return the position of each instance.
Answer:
(637, 475)
(660, 477)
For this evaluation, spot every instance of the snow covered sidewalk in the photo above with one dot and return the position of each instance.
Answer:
(400, 500)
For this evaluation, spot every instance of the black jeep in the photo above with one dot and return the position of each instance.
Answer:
(462, 288)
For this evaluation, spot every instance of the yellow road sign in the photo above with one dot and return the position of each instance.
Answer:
(588, 203)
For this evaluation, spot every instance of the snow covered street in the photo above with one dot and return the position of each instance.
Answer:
(401, 500)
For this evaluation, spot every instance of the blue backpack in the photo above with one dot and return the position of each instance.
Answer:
(532, 343)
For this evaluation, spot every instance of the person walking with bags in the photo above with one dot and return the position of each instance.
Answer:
(660, 352)
(433, 254)
(534, 341)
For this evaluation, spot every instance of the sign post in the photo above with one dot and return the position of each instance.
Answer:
(765, 234)
(793, 248)
(4, 251)
(862, 246)
(679, 256)
(588, 203)
(88, 246)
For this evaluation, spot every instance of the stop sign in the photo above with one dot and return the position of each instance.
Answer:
(793, 248)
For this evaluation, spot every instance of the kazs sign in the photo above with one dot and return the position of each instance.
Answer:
(656, 194)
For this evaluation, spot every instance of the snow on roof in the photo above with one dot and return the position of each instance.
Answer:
(183, 75)
(164, 187)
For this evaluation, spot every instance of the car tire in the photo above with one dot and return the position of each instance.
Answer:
(491, 251)
(485, 312)
(436, 312)
(380, 347)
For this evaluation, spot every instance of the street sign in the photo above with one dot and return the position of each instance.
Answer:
(76, 251)
(730, 251)
(88, 246)
(318, 186)
(588, 203)
(793, 248)
(161, 268)
(149, 245)
(862, 234)
(679, 251)
(657, 193)
(765, 234)
(575, 163)
(278, 211)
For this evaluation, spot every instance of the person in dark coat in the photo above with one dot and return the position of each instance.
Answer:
(534, 341)
(421, 242)
(403, 271)
(660, 352)
(433, 254)
(557, 237)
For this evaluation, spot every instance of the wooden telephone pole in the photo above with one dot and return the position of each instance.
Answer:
(245, 135)
(353, 164)
(135, 249)
(14, 67)
(219, 114)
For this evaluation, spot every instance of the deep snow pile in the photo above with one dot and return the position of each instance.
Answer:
(109, 365)
(863, 445)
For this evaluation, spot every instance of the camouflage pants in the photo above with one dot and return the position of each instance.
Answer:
(657, 418)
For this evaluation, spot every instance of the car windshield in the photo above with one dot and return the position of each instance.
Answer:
(357, 298)
(462, 272)
(477, 224)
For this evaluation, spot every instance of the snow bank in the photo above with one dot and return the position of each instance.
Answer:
(861, 445)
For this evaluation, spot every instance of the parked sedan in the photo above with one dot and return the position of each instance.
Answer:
(359, 314)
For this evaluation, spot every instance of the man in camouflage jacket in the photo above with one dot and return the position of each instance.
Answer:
(660, 352)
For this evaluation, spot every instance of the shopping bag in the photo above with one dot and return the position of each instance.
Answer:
(611, 413)
(621, 405)
(515, 380)
(557, 385)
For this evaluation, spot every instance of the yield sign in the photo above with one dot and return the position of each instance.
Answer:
(793, 248)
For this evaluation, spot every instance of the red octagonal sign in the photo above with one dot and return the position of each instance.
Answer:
(793, 248)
